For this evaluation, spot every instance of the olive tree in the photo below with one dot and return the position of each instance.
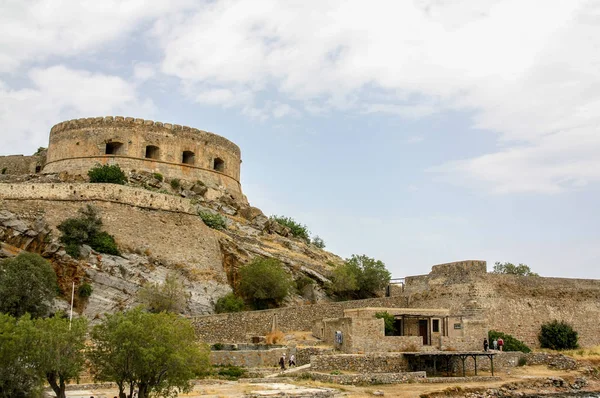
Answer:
(360, 277)
(27, 285)
(153, 353)
(264, 282)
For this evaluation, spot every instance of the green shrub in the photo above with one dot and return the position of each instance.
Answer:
(511, 269)
(389, 322)
(522, 361)
(232, 372)
(217, 346)
(175, 183)
(318, 242)
(85, 290)
(158, 176)
(229, 303)
(558, 336)
(298, 230)
(510, 342)
(85, 230)
(264, 282)
(360, 277)
(4, 170)
(302, 282)
(212, 220)
(107, 174)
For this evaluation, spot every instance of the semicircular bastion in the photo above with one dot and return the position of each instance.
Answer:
(144, 145)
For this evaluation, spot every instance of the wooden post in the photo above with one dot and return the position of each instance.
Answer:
(463, 357)
(475, 359)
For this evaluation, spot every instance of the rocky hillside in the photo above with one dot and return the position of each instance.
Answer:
(153, 241)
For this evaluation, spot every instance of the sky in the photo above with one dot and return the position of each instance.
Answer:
(415, 132)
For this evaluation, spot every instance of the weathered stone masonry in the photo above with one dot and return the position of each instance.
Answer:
(144, 145)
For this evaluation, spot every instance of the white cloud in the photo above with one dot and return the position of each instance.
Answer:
(143, 71)
(33, 30)
(59, 93)
(527, 73)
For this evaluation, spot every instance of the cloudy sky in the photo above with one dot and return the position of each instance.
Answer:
(416, 132)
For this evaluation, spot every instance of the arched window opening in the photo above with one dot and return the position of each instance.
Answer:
(188, 157)
(38, 169)
(114, 148)
(152, 152)
(218, 164)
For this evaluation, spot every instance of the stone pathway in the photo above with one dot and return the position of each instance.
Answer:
(288, 371)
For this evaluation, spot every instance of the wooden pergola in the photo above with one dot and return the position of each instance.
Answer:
(446, 357)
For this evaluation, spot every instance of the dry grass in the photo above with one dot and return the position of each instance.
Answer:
(275, 337)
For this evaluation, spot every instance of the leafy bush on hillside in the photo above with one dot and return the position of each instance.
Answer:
(264, 283)
(175, 183)
(318, 242)
(110, 174)
(510, 342)
(511, 269)
(158, 177)
(229, 303)
(360, 277)
(85, 290)
(212, 220)
(558, 336)
(298, 230)
(86, 230)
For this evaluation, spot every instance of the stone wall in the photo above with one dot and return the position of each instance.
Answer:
(182, 152)
(369, 378)
(19, 164)
(248, 358)
(359, 363)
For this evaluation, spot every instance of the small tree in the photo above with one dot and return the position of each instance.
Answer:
(558, 336)
(229, 303)
(27, 285)
(59, 350)
(107, 174)
(18, 375)
(510, 342)
(264, 282)
(318, 242)
(298, 230)
(155, 353)
(511, 269)
(360, 277)
(86, 229)
(389, 322)
(169, 296)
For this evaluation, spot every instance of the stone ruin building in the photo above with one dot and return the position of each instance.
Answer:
(176, 152)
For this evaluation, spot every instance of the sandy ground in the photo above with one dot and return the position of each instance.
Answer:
(216, 389)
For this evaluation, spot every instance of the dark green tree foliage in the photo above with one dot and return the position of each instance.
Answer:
(169, 296)
(107, 174)
(318, 242)
(27, 284)
(510, 342)
(36, 351)
(389, 322)
(59, 350)
(360, 277)
(153, 353)
(212, 220)
(264, 282)
(86, 229)
(558, 336)
(298, 230)
(18, 377)
(511, 269)
(229, 303)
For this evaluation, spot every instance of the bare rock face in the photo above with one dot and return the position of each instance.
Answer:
(155, 243)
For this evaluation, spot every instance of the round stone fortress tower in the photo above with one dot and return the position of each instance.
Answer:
(144, 145)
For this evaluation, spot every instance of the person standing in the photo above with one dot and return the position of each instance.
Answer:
(282, 362)
(485, 344)
(501, 343)
(495, 344)
(292, 360)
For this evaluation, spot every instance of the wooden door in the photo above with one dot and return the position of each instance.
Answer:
(423, 331)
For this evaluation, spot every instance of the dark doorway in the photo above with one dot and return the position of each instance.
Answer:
(152, 152)
(219, 164)
(188, 157)
(398, 327)
(423, 331)
(114, 148)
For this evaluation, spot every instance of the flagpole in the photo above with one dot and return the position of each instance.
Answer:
(72, 298)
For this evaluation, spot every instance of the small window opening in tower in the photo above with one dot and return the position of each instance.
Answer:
(38, 169)
(114, 148)
(152, 152)
(218, 164)
(188, 157)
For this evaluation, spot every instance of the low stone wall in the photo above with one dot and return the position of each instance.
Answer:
(248, 358)
(303, 354)
(369, 378)
(97, 192)
(367, 363)
(558, 361)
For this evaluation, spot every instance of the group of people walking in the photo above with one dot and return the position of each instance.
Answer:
(497, 344)
(291, 361)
